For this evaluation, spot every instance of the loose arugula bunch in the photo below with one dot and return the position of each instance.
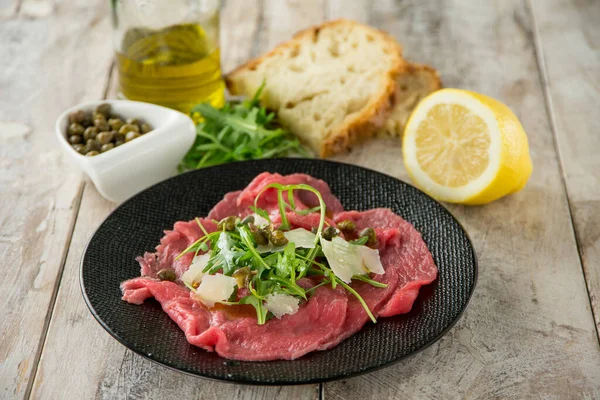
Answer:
(236, 132)
(234, 252)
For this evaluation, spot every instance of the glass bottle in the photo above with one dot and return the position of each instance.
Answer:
(167, 51)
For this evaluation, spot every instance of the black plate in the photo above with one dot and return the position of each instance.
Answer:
(137, 225)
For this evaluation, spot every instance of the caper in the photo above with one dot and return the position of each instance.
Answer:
(76, 129)
(346, 225)
(87, 121)
(129, 128)
(259, 235)
(115, 123)
(248, 220)
(107, 147)
(101, 124)
(90, 133)
(103, 109)
(242, 276)
(74, 139)
(92, 153)
(96, 115)
(133, 121)
(91, 144)
(166, 275)
(145, 128)
(131, 135)
(119, 142)
(80, 148)
(227, 223)
(370, 234)
(278, 238)
(119, 136)
(77, 117)
(105, 137)
(330, 232)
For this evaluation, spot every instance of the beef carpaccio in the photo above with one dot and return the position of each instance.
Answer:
(327, 316)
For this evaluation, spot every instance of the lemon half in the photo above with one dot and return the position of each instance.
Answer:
(464, 147)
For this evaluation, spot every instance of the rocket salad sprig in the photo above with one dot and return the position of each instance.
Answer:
(238, 250)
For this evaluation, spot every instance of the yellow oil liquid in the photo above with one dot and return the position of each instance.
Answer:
(175, 67)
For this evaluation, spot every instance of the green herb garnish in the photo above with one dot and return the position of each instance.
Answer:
(277, 270)
(238, 131)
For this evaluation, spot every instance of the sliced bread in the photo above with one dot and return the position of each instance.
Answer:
(414, 82)
(332, 85)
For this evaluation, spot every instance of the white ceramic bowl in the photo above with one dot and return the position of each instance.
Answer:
(125, 170)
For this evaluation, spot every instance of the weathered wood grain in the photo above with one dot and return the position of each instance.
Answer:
(358, 10)
(8, 8)
(568, 34)
(45, 63)
(282, 18)
(102, 368)
(528, 331)
(239, 30)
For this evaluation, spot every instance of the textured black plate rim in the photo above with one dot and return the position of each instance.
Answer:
(335, 377)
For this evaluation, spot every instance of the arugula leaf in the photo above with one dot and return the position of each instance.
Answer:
(238, 131)
(261, 311)
(287, 261)
(261, 212)
(360, 241)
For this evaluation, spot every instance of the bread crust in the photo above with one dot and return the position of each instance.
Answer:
(371, 118)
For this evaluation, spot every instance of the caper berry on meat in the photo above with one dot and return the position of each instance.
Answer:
(106, 147)
(227, 223)
(330, 232)
(80, 148)
(370, 234)
(129, 128)
(131, 135)
(103, 109)
(259, 235)
(101, 124)
(145, 128)
(92, 153)
(166, 275)
(76, 129)
(242, 276)
(90, 133)
(115, 123)
(346, 225)
(105, 137)
(278, 238)
(77, 117)
(75, 139)
(248, 220)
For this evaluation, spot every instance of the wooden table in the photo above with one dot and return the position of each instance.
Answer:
(531, 330)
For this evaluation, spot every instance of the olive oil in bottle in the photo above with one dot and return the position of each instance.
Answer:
(176, 67)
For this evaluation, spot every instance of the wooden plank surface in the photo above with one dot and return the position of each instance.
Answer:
(568, 34)
(48, 64)
(528, 332)
(99, 366)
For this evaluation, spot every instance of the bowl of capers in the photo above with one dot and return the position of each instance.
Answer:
(125, 146)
